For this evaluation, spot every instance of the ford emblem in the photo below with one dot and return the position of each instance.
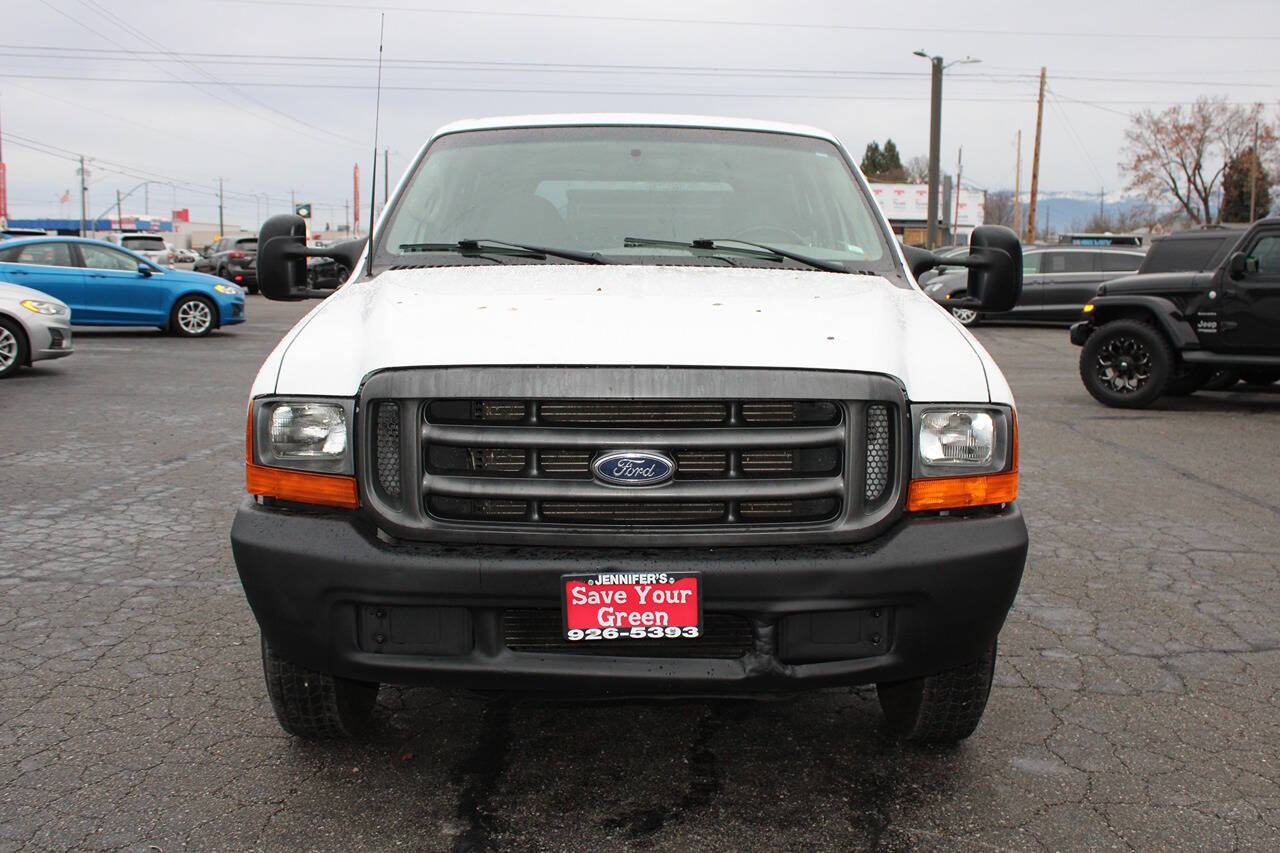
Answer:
(634, 468)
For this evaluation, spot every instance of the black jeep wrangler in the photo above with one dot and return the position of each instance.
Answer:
(1203, 311)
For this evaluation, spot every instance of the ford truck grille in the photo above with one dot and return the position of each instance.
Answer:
(479, 467)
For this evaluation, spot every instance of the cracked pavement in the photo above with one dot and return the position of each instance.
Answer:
(1137, 697)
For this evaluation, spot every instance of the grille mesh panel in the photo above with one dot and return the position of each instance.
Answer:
(878, 446)
(387, 448)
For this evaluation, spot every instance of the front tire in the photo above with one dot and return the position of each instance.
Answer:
(966, 316)
(1126, 364)
(313, 705)
(939, 709)
(192, 317)
(14, 349)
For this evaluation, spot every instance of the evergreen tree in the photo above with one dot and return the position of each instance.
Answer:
(872, 160)
(1236, 182)
(883, 164)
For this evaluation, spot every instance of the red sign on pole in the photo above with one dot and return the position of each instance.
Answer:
(4, 196)
(183, 215)
(355, 199)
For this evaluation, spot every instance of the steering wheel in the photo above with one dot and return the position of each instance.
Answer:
(789, 236)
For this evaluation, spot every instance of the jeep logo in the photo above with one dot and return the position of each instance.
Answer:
(634, 468)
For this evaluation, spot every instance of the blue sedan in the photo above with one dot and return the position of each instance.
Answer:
(106, 285)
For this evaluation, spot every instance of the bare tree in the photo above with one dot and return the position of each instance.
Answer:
(917, 169)
(1183, 151)
(999, 208)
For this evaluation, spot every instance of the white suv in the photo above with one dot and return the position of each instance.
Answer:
(631, 404)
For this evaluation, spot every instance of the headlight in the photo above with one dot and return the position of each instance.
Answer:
(39, 306)
(309, 435)
(958, 441)
(229, 289)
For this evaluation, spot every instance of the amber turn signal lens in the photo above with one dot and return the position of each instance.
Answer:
(960, 492)
(301, 486)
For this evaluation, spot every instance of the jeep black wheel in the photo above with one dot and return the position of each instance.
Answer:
(1126, 363)
(941, 709)
(313, 705)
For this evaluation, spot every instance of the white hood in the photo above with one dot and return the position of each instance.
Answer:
(559, 314)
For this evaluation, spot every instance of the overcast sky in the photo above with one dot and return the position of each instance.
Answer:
(278, 95)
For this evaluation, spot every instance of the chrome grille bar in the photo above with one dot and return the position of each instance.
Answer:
(740, 438)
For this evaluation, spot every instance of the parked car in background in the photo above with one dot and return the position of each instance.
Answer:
(1207, 324)
(233, 259)
(15, 233)
(106, 285)
(150, 246)
(33, 326)
(1057, 281)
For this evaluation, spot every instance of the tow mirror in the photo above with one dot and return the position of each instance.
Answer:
(283, 253)
(995, 269)
(919, 260)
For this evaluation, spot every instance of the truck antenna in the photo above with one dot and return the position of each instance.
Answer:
(373, 178)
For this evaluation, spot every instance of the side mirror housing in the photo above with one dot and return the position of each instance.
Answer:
(995, 269)
(1239, 265)
(144, 270)
(283, 253)
(282, 260)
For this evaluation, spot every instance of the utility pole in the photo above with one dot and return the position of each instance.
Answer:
(386, 176)
(293, 202)
(84, 188)
(1035, 163)
(1253, 176)
(119, 213)
(346, 215)
(146, 198)
(221, 228)
(955, 220)
(1102, 197)
(936, 68)
(1017, 188)
(935, 148)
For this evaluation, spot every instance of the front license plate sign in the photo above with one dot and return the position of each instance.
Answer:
(632, 606)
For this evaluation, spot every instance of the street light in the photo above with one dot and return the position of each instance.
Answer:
(935, 135)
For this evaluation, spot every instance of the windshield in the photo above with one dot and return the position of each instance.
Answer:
(588, 189)
(144, 244)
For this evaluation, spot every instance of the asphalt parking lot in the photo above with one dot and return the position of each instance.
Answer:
(1137, 701)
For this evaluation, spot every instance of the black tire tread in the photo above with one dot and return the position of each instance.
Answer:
(1143, 397)
(313, 705)
(940, 709)
(24, 346)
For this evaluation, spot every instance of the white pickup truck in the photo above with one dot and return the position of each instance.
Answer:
(631, 405)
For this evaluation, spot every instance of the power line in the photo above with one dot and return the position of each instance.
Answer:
(833, 96)
(198, 85)
(115, 20)
(192, 60)
(953, 31)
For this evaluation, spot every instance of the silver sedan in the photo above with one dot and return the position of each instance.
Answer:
(33, 326)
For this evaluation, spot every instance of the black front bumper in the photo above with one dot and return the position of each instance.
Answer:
(940, 587)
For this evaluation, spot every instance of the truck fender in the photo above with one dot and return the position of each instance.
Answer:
(1166, 315)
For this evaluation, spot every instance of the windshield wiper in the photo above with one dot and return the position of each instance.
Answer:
(713, 245)
(474, 246)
